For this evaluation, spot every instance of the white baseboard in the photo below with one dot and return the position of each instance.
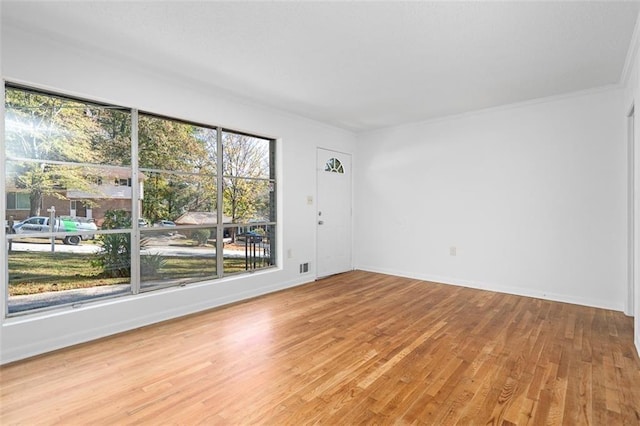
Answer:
(518, 291)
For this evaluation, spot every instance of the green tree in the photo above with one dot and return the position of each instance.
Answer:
(113, 141)
(246, 165)
(41, 129)
(177, 147)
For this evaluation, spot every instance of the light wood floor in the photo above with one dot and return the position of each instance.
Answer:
(354, 348)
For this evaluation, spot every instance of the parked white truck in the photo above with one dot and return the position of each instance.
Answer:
(78, 228)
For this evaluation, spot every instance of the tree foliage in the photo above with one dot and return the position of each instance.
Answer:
(46, 128)
(178, 160)
(245, 167)
(176, 147)
(113, 142)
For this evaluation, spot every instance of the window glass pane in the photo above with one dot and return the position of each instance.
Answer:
(11, 200)
(47, 127)
(246, 156)
(22, 201)
(179, 202)
(40, 277)
(248, 200)
(53, 185)
(171, 256)
(250, 248)
(175, 145)
(170, 199)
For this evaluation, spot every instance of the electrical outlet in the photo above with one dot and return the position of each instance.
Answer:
(453, 251)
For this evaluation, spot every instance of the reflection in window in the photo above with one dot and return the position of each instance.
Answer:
(44, 127)
(334, 165)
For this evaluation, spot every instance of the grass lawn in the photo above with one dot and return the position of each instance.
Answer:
(39, 272)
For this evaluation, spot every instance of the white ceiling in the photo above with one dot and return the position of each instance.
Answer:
(357, 65)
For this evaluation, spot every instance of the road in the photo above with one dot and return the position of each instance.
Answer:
(164, 250)
(59, 248)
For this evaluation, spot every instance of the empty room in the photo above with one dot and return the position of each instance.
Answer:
(338, 212)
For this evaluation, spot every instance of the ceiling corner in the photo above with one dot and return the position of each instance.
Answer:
(632, 53)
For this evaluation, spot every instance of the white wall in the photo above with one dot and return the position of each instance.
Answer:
(632, 98)
(533, 196)
(39, 60)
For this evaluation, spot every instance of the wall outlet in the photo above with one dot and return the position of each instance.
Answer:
(304, 268)
(453, 251)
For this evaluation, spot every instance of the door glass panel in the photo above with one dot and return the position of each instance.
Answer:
(334, 165)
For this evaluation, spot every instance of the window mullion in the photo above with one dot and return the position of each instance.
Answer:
(135, 206)
(219, 206)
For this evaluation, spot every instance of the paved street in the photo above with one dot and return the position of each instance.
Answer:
(59, 247)
(165, 250)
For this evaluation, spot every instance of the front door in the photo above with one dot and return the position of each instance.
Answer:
(333, 215)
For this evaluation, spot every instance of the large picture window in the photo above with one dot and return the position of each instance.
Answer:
(104, 201)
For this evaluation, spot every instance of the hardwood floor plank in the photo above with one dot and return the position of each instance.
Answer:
(354, 348)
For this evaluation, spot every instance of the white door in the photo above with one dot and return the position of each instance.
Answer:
(333, 216)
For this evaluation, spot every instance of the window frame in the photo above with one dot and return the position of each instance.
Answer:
(136, 279)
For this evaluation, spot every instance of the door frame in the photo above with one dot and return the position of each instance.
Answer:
(315, 214)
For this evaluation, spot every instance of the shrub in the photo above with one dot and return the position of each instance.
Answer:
(150, 264)
(201, 236)
(114, 256)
